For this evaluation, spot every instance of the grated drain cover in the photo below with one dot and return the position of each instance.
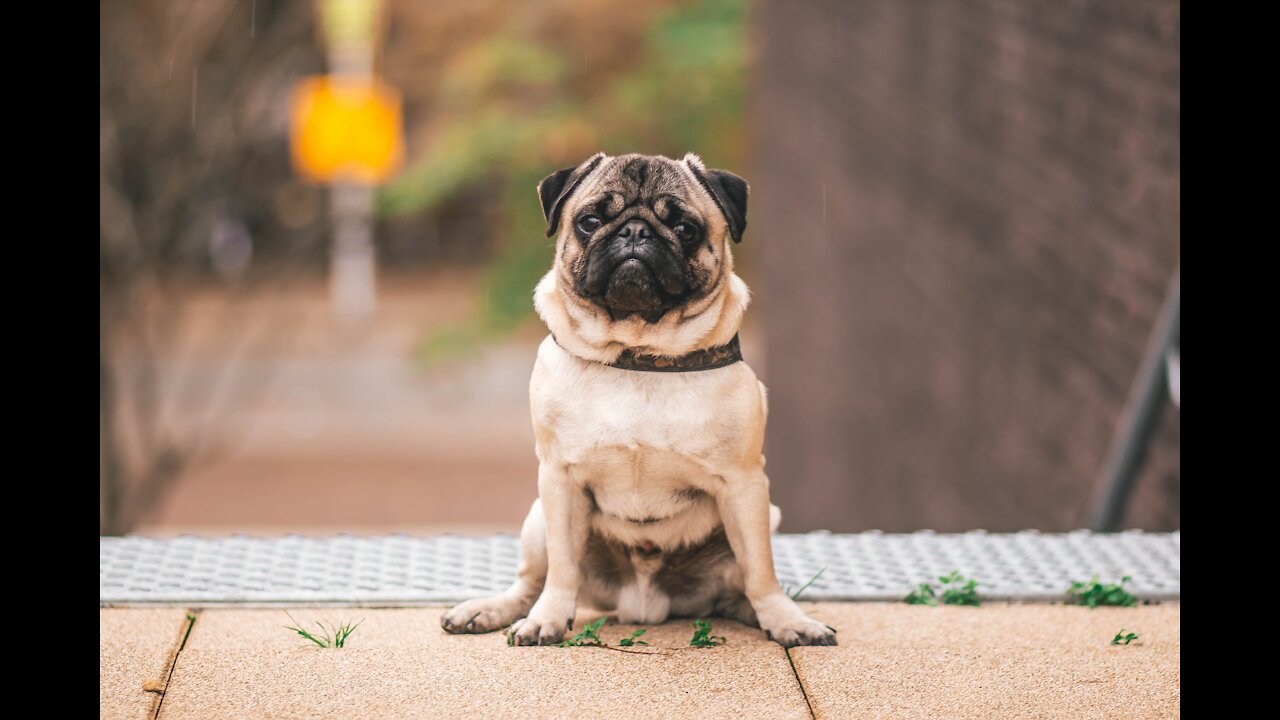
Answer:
(409, 570)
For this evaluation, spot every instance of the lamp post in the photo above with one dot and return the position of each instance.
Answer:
(346, 132)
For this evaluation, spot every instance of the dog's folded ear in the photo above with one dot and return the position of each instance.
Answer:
(728, 190)
(559, 185)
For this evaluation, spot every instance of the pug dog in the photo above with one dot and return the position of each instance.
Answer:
(649, 428)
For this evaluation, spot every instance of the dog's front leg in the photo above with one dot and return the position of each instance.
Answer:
(568, 516)
(743, 501)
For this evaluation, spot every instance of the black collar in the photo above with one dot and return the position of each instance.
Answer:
(705, 359)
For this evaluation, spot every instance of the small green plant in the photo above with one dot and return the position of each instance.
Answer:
(630, 641)
(588, 636)
(335, 636)
(956, 594)
(702, 636)
(1093, 594)
(796, 595)
(953, 592)
(922, 595)
(1123, 639)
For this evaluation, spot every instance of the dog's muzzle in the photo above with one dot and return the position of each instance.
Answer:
(635, 271)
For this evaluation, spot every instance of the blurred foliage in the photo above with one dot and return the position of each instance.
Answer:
(544, 88)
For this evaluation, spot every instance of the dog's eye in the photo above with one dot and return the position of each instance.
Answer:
(589, 224)
(685, 231)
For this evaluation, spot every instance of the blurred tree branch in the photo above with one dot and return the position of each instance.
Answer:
(193, 133)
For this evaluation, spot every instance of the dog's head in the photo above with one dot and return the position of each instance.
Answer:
(640, 235)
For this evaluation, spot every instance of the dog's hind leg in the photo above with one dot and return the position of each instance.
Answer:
(708, 581)
(606, 569)
(735, 606)
(483, 615)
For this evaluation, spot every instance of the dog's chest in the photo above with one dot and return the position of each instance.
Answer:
(641, 495)
(635, 426)
(650, 449)
(640, 483)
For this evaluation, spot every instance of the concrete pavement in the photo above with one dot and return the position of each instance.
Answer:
(894, 660)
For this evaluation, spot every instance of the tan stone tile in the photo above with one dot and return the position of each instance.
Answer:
(135, 647)
(1006, 661)
(400, 664)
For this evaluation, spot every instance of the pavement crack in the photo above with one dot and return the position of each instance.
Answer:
(800, 682)
(173, 665)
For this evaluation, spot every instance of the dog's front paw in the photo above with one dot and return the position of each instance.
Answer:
(483, 615)
(538, 632)
(786, 624)
(548, 620)
(808, 632)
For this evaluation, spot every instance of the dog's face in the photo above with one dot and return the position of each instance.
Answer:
(640, 235)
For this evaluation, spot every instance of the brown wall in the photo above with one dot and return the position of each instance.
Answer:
(964, 218)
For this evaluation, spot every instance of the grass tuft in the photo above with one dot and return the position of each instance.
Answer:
(796, 595)
(335, 636)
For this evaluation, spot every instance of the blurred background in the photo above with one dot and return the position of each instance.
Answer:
(964, 220)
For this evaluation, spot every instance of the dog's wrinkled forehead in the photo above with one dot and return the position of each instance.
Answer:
(653, 183)
(640, 181)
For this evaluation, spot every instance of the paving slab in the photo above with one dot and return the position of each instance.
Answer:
(135, 650)
(400, 664)
(999, 660)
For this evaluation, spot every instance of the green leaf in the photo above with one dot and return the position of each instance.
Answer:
(588, 636)
(702, 635)
(1093, 594)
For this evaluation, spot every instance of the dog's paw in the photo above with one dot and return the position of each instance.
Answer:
(483, 615)
(809, 632)
(786, 624)
(538, 632)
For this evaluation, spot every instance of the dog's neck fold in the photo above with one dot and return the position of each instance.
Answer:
(591, 334)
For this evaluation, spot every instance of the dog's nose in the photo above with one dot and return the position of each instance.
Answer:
(636, 230)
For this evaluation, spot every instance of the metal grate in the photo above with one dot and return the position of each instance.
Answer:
(405, 570)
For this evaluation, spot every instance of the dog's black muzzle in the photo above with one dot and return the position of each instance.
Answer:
(634, 271)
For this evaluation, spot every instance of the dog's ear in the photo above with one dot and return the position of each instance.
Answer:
(559, 185)
(728, 190)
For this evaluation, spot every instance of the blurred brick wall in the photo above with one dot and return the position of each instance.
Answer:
(964, 219)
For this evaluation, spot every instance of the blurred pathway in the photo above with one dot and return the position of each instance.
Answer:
(353, 434)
